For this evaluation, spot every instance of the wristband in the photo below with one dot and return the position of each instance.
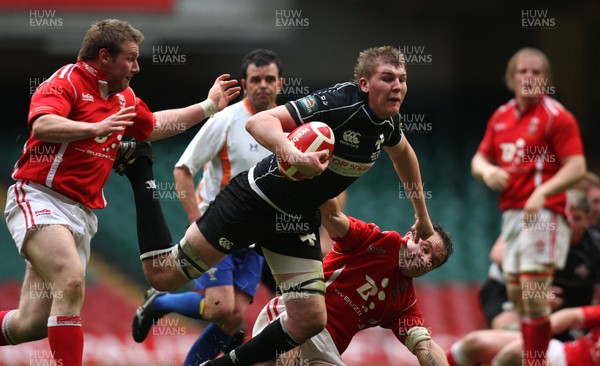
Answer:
(208, 107)
(414, 336)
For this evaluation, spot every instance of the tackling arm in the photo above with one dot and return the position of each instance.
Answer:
(407, 167)
(173, 121)
(429, 353)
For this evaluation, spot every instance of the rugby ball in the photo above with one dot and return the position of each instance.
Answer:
(309, 137)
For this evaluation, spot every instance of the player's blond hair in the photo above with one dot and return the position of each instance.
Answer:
(578, 200)
(369, 59)
(511, 66)
(109, 34)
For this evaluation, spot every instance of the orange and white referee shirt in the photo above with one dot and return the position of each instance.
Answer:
(224, 148)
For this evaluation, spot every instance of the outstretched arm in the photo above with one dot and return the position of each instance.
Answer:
(407, 167)
(173, 121)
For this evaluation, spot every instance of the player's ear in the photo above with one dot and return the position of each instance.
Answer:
(364, 85)
(244, 85)
(104, 56)
(279, 84)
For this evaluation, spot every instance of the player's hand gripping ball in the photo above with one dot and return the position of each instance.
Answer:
(309, 137)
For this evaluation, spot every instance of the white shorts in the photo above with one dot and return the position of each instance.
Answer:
(545, 240)
(319, 348)
(29, 205)
(556, 353)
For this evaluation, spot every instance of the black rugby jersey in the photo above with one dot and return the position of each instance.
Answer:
(581, 272)
(359, 139)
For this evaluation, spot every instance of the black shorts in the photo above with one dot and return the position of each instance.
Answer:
(238, 217)
(492, 296)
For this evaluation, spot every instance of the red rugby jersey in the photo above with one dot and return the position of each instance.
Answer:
(78, 169)
(365, 287)
(530, 146)
(585, 351)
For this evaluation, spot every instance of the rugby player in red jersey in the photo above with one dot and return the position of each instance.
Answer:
(369, 277)
(77, 119)
(531, 152)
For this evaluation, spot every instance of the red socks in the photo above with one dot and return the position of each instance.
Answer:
(536, 338)
(65, 336)
(4, 336)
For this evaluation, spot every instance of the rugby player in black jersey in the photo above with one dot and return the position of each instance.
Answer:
(365, 118)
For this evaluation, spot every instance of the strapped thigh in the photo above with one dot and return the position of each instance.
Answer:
(309, 278)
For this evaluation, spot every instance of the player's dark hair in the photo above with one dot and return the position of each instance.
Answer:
(446, 239)
(369, 59)
(260, 58)
(109, 34)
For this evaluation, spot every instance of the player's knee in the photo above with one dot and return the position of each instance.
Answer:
(507, 357)
(470, 344)
(308, 323)
(71, 289)
(236, 318)
(217, 311)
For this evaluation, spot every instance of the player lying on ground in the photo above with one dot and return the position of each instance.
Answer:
(369, 277)
(505, 347)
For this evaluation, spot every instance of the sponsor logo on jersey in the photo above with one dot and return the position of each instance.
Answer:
(43, 212)
(500, 126)
(87, 97)
(253, 147)
(309, 104)
(225, 243)
(351, 138)
(348, 168)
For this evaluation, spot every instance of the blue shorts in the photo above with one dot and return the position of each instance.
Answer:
(242, 269)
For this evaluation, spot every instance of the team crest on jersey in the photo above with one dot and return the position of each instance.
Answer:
(212, 274)
(253, 147)
(121, 100)
(533, 126)
(309, 104)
